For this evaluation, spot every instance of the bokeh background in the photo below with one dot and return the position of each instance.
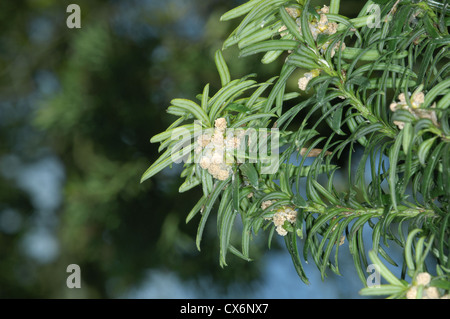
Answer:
(77, 110)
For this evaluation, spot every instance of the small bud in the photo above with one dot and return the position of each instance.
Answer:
(203, 140)
(325, 9)
(217, 157)
(266, 204)
(423, 278)
(402, 98)
(302, 83)
(223, 175)
(400, 124)
(217, 139)
(339, 46)
(293, 12)
(281, 216)
(332, 28)
(205, 162)
(213, 169)
(280, 30)
(221, 123)
(278, 219)
(411, 293)
(431, 293)
(393, 106)
(291, 215)
(417, 99)
(281, 231)
(315, 73)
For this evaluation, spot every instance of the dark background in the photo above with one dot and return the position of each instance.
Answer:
(77, 110)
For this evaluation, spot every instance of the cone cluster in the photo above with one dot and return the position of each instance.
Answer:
(215, 150)
(414, 107)
(281, 215)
